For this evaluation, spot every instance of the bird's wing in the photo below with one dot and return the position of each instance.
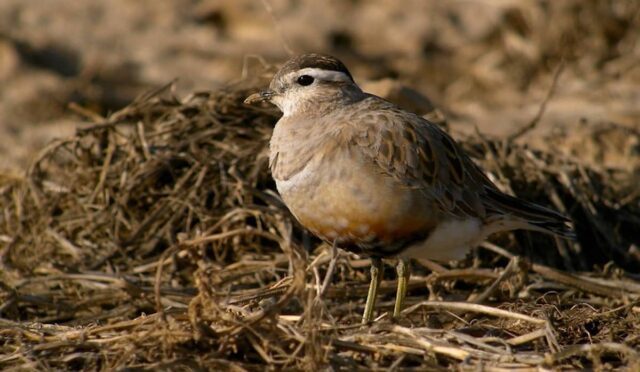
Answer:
(420, 155)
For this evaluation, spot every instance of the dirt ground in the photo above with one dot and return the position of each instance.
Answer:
(80, 252)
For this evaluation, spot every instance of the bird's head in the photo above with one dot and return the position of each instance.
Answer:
(306, 82)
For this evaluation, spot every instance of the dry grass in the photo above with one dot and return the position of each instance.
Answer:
(153, 239)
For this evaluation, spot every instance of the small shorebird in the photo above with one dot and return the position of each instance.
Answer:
(369, 177)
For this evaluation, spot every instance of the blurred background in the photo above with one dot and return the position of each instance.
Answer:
(485, 64)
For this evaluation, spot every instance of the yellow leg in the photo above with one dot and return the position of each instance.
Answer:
(404, 273)
(376, 277)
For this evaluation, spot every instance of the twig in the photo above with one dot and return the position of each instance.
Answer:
(158, 281)
(432, 346)
(279, 31)
(563, 278)
(111, 148)
(506, 273)
(85, 112)
(229, 234)
(605, 347)
(528, 337)
(332, 265)
(464, 306)
(543, 106)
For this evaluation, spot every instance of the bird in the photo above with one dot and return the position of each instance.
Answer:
(368, 177)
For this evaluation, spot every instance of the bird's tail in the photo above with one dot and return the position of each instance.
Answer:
(530, 216)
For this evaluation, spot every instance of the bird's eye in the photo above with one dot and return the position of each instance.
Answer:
(305, 80)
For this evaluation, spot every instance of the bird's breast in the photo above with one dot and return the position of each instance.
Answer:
(340, 197)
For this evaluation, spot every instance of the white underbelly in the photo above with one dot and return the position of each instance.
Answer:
(450, 240)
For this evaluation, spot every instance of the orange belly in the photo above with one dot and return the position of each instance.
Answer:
(353, 205)
(365, 231)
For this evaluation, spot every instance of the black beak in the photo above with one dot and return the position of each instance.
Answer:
(263, 95)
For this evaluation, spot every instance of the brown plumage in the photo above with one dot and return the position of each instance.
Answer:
(368, 176)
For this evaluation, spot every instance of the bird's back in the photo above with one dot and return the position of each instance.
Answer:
(374, 177)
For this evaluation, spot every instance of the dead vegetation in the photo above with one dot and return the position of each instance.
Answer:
(153, 239)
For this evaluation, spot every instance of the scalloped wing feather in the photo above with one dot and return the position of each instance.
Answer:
(418, 154)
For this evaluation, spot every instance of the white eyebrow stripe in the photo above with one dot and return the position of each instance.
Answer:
(318, 73)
